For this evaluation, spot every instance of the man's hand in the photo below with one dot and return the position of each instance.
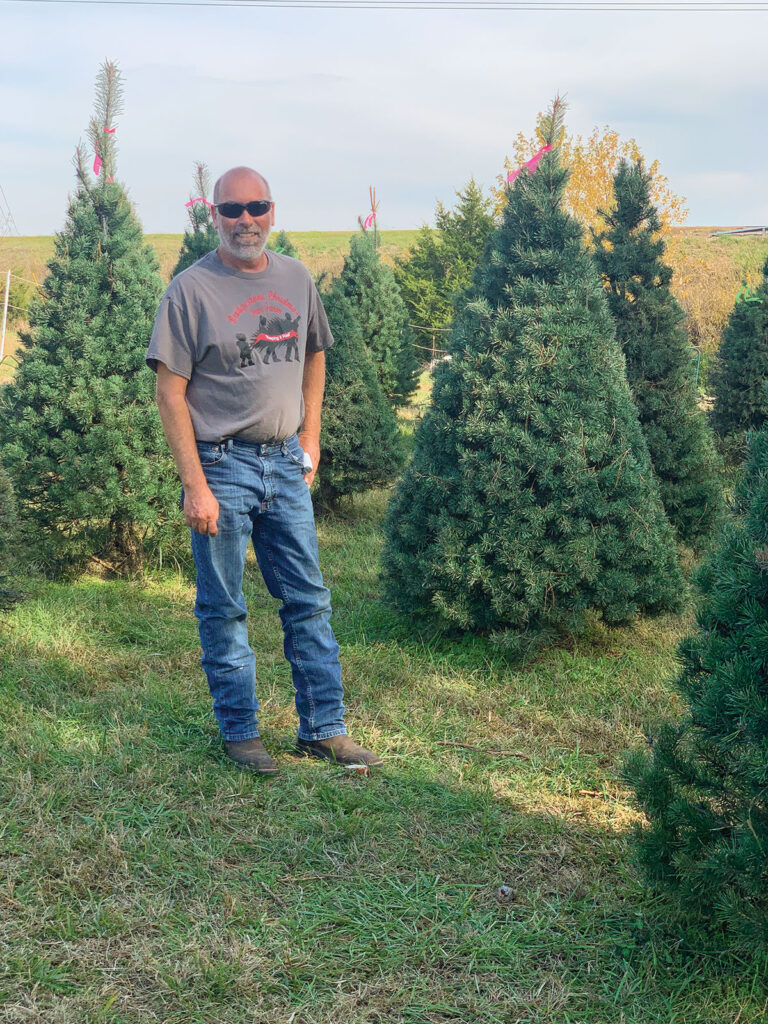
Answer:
(201, 511)
(311, 445)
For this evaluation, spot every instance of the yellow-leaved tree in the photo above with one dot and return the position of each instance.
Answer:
(592, 162)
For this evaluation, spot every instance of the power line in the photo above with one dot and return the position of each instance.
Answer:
(562, 6)
(7, 222)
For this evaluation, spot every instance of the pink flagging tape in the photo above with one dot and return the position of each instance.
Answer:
(199, 199)
(97, 162)
(529, 165)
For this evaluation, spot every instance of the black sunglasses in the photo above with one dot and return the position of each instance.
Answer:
(256, 208)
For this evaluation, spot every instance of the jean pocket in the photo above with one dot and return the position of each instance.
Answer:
(296, 456)
(209, 454)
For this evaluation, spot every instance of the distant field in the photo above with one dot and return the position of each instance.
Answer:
(708, 272)
(320, 250)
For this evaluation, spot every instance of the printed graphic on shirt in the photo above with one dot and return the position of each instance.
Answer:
(275, 337)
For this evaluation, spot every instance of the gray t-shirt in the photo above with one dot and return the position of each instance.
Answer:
(240, 340)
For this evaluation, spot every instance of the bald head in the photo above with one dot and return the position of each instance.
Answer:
(243, 235)
(239, 180)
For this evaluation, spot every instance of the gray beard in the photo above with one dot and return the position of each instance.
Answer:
(243, 251)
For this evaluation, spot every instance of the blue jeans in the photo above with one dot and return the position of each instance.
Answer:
(263, 496)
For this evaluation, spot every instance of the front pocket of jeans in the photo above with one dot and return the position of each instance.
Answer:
(209, 454)
(297, 460)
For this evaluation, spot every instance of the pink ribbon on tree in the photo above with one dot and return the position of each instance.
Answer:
(110, 131)
(529, 165)
(200, 199)
(97, 162)
(368, 222)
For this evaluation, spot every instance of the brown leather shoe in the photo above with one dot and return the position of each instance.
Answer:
(340, 749)
(252, 754)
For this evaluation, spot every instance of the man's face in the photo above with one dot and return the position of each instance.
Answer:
(245, 237)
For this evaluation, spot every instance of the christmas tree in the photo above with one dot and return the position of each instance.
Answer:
(282, 243)
(381, 312)
(9, 544)
(530, 498)
(738, 376)
(704, 784)
(360, 442)
(660, 368)
(439, 266)
(201, 237)
(81, 435)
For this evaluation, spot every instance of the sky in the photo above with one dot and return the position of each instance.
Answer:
(326, 103)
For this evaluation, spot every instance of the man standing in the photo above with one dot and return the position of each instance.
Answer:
(231, 423)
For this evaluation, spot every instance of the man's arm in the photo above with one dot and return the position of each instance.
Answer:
(201, 510)
(312, 387)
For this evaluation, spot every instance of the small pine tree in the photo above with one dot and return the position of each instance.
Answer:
(740, 370)
(704, 784)
(201, 237)
(650, 329)
(530, 497)
(10, 591)
(282, 243)
(81, 435)
(360, 441)
(371, 287)
(439, 266)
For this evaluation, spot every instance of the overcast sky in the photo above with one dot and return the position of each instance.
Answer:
(328, 102)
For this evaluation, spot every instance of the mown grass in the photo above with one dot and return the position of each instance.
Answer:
(145, 879)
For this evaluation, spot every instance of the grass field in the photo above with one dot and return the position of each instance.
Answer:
(144, 879)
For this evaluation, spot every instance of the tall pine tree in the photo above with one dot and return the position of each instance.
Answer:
(704, 784)
(201, 237)
(80, 433)
(439, 266)
(738, 377)
(530, 498)
(360, 440)
(651, 331)
(371, 287)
